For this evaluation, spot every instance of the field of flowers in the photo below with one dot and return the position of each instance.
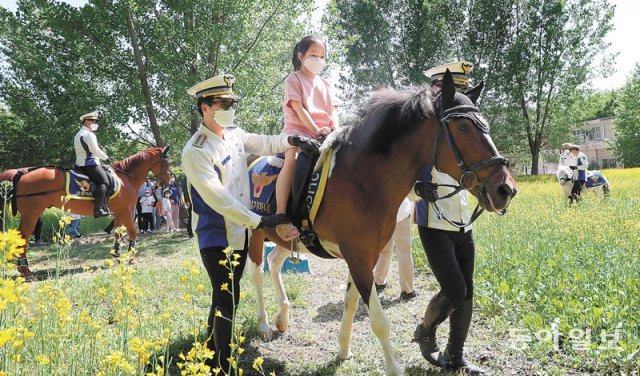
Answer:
(563, 282)
(560, 284)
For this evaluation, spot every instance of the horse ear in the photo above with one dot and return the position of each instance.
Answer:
(448, 90)
(165, 152)
(474, 92)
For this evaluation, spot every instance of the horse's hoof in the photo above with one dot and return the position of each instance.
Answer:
(25, 273)
(394, 370)
(342, 356)
(132, 260)
(266, 334)
(280, 324)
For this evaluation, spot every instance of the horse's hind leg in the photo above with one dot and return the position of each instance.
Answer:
(350, 306)
(256, 245)
(27, 225)
(276, 259)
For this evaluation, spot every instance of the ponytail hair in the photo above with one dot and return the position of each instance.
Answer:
(302, 47)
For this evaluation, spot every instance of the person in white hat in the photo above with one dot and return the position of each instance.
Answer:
(215, 165)
(579, 164)
(565, 156)
(88, 156)
(450, 248)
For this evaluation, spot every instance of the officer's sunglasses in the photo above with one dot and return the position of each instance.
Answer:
(225, 104)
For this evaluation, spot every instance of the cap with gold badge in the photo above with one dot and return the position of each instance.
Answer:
(218, 86)
(89, 116)
(565, 145)
(459, 69)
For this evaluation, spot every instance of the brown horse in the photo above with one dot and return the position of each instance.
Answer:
(42, 188)
(380, 156)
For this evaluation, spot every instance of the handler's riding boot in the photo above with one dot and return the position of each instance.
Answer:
(459, 322)
(439, 308)
(99, 195)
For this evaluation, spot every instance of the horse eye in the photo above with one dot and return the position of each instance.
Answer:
(462, 126)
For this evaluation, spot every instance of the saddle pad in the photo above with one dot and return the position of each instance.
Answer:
(262, 182)
(79, 187)
(595, 179)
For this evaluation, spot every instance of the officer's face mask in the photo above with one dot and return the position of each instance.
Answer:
(94, 126)
(224, 118)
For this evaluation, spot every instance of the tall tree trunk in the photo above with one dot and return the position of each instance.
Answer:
(142, 75)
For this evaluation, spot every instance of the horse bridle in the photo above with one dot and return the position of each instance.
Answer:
(428, 190)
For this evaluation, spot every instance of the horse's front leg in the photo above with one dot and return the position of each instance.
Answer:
(125, 219)
(256, 246)
(350, 306)
(362, 274)
(276, 259)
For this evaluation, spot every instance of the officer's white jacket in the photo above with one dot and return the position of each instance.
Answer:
(218, 183)
(455, 208)
(88, 153)
(564, 159)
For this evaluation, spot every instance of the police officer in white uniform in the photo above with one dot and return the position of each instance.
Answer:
(214, 163)
(579, 164)
(88, 156)
(565, 156)
(450, 251)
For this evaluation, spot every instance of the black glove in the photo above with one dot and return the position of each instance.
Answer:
(107, 161)
(273, 220)
(427, 190)
(573, 167)
(308, 146)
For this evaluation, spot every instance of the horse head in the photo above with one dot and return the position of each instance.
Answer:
(565, 175)
(469, 154)
(162, 169)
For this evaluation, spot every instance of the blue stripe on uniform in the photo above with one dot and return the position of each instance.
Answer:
(422, 206)
(89, 159)
(211, 227)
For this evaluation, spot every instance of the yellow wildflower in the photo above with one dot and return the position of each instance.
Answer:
(224, 287)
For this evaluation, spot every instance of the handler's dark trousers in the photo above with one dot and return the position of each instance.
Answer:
(223, 301)
(451, 257)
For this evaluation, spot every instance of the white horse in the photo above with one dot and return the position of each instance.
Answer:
(596, 182)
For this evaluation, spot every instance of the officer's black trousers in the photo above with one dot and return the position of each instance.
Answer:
(95, 173)
(220, 329)
(451, 257)
(576, 190)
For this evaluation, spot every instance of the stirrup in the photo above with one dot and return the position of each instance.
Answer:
(287, 231)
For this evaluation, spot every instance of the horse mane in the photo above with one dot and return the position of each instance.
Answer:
(387, 116)
(128, 163)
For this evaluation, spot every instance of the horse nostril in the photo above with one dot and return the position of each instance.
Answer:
(504, 190)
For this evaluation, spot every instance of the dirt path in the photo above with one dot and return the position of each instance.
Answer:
(310, 345)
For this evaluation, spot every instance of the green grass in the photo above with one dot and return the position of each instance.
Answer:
(542, 264)
(547, 270)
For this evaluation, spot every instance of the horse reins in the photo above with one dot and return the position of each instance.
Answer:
(428, 190)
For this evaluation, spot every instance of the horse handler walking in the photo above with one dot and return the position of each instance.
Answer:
(215, 164)
(450, 250)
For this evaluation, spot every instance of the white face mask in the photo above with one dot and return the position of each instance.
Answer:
(224, 118)
(314, 64)
(94, 126)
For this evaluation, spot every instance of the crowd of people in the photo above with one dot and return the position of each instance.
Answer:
(158, 208)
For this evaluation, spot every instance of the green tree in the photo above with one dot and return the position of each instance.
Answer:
(544, 53)
(626, 126)
(390, 43)
(135, 59)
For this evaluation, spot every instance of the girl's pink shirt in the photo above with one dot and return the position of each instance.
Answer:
(315, 96)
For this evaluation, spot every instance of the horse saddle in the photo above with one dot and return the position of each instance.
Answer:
(263, 174)
(80, 187)
(595, 179)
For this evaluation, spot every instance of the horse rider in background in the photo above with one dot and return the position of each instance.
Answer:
(565, 156)
(88, 156)
(578, 164)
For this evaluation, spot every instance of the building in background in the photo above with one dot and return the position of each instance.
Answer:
(595, 136)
